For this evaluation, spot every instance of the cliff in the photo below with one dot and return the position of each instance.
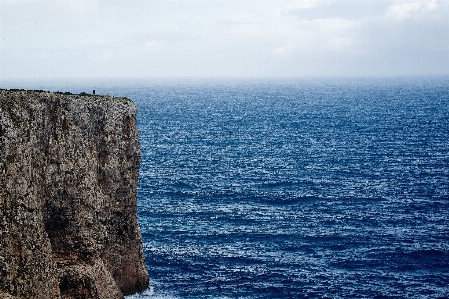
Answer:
(68, 176)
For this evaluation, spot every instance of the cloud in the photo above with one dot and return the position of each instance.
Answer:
(11, 2)
(284, 49)
(40, 55)
(348, 9)
(154, 45)
(409, 10)
(106, 55)
(95, 41)
(331, 34)
(226, 37)
(304, 4)
(77, 8)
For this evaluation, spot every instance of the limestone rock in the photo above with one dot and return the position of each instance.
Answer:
(68, 177)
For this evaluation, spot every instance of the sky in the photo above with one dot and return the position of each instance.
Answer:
(65, 39)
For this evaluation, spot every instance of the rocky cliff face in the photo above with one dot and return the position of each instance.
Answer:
(68, 176)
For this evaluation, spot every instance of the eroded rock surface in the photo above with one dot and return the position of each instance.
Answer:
(68, 177)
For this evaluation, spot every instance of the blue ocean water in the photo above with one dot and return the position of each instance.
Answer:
(293, 189)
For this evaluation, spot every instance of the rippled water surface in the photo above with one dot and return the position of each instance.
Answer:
(295, 189)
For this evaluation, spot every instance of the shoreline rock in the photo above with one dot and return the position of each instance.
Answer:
(68, 199)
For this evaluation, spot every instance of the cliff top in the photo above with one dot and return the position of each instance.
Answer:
(93, 98)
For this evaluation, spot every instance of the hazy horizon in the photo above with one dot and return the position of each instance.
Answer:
(107, 40)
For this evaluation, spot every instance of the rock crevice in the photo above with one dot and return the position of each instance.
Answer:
(68, 176)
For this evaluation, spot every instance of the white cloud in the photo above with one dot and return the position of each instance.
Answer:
(77, 8)
(95, 41)
(11, 1)
(40, 55)
(412, 9)
(340, 43)
(335, 25)
(284, 49)
(331, 34)
(106, 55)
(303, 4)
(154, 45)
(225, 37)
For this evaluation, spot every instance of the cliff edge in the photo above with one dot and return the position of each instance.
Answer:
(68, 177)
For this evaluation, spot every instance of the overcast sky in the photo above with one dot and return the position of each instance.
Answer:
(222, 38)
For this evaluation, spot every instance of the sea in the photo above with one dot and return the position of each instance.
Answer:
(305, 188)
